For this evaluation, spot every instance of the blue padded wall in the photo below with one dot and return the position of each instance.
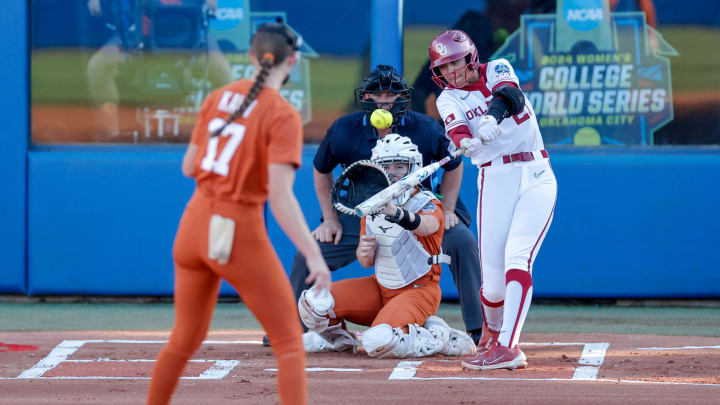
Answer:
(628, 223)
(15, 116)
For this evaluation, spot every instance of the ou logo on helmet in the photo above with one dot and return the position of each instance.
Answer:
(583, 15)
(441, 49)
(228, 15)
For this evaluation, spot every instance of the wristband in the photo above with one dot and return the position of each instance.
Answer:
(395, 219)
(406, 223)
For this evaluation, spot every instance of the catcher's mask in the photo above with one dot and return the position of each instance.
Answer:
(394, 148)
(358, 182)
(384, 79)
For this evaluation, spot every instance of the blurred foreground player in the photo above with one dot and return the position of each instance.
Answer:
(244, 150)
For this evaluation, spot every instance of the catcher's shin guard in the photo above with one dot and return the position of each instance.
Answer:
(384, 341)
(316, 309)
(334, 339)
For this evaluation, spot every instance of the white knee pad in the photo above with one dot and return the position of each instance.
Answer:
(380, 340)
(316, 309)
(455, 342)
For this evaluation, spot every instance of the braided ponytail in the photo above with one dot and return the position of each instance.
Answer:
(265, 64)
(271, 44)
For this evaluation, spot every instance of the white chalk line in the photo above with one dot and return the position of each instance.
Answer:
(61, 353)
(592, 357)
(318, 369)
(678, 348)
(589, 363)
(406, 371)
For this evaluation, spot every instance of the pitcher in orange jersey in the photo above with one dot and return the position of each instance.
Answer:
(399, 300)
(244, 150)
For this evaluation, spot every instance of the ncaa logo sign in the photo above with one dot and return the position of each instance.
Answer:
(441, 49)
(228, 15)
(583, 15)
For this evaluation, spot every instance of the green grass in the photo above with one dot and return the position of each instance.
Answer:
(698, 66)
(680, 321)
(60, 76)
(333, 81)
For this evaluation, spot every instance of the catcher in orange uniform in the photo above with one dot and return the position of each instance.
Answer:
(399, 300)
(244, 150)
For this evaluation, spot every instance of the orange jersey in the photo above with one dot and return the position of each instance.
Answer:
(431, 243)
(234, 165)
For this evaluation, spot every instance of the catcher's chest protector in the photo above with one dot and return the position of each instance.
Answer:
(400, 258)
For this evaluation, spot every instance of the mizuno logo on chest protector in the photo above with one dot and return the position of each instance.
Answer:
(384, 229)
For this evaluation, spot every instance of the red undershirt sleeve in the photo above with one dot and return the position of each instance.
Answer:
(459, 133)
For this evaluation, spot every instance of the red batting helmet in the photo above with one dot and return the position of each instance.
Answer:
(450, 46)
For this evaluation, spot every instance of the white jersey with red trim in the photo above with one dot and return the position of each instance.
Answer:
(458, 107)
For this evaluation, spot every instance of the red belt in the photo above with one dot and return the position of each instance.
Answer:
(518, 157)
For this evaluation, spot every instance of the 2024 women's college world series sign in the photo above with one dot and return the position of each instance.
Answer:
(593, 77)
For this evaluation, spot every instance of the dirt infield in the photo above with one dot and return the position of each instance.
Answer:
(232, 366)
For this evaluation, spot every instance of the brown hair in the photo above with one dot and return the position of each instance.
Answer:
(271, 48)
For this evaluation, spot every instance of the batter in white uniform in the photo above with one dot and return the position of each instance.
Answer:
(486, 113)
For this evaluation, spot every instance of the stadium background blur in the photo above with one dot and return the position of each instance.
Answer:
(86, 215)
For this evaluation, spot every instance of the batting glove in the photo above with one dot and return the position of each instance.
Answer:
(471, 146)
(488, 129)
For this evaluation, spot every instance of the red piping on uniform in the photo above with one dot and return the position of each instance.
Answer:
(504, 84)
(525, 279)
(541, 235)
(482, 186)
(490, 304)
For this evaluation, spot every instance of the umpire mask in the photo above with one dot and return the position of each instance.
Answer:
(384, 79)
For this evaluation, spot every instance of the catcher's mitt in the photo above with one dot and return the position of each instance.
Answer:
(358, 182)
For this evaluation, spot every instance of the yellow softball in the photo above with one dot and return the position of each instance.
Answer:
(381, 119)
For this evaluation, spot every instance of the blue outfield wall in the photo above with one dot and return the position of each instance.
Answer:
(15, 117)
(628, 222)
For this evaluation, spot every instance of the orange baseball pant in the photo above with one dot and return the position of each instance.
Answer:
(365, 302)
(255, 272)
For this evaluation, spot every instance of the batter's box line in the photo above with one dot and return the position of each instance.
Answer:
(592, 357)
(678, 348)
(61, 353)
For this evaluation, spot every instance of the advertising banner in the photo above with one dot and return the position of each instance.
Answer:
(593, 77)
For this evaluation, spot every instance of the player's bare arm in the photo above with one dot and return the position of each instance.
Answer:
(451, 181)
(365, 251)
(189, 160)
(331, 229)
(286, 211)
(421, 225)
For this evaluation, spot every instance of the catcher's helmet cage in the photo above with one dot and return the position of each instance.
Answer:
(450, 46)
(384, 79)
(396, 148)
(358, 182)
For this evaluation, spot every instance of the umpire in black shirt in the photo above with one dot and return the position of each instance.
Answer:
(349, 139)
